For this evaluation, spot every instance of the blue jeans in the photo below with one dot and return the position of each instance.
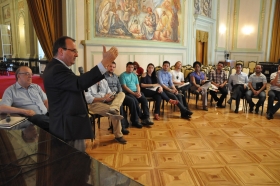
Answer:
(249, 94)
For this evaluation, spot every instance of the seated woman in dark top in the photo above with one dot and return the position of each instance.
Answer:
(151, 88)
(200, 83)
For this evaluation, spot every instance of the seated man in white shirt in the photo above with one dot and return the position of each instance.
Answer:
(237, 85)
(26, 98)
(179, 80)
(101, 101)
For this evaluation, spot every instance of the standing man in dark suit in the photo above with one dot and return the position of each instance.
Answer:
(68, 110)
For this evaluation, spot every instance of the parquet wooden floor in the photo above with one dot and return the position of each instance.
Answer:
(215, 147)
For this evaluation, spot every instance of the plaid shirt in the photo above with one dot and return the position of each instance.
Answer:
(218, 78)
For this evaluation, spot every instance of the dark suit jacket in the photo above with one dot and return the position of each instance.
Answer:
(68, 111)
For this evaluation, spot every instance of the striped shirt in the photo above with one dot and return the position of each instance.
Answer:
(218, 78)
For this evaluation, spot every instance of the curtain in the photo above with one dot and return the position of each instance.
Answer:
(202, 36)
(47, 20)
(275, 41)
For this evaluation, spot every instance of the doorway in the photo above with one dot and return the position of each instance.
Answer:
(201, 46)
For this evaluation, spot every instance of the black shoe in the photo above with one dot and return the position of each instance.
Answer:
(188, 112)
(205, 108)
(121, 140)
(185, 116)
(147, 122)
(125, 131)
(137, 125)
(269, 116)
(236, 111)
(221, 106)
(229, 101)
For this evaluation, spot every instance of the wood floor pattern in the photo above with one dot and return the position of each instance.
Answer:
(215, 147)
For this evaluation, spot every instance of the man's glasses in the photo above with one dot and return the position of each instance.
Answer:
(72, 50)
(26, 73)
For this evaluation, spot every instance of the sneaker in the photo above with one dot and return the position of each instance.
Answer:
(125, 131)
(147, 122)
(269, 116)
(121, 140)
(185, 116)
(188, 112)
(137, 125)
(221, 106)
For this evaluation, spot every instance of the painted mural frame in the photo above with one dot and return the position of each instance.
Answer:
(162, 25)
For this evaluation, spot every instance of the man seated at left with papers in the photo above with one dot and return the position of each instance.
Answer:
(26, 99)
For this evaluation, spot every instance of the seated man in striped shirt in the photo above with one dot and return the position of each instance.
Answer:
(218, 78)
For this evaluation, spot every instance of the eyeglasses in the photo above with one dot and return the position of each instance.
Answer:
(72, 50)
(26, 73)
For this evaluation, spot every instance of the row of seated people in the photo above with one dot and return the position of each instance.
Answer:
(34, 105)
(240, 86)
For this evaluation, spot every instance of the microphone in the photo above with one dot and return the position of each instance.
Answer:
(81, 70)
(8, 118)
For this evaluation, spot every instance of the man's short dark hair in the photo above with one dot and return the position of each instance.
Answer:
(60, 43)
(196, 63)
(238, 64)
(129, 63)
(114, 63)
(221, 63)
(166, 62)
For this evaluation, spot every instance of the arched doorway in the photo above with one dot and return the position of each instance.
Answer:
(201, 46)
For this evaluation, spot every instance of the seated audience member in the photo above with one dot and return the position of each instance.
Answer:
(237, 84)
(101, 101)
(133, 105)
(149, 80)
(199, 83)
(273, 92)
(130, 85)
(137, 69)
(257, 84)
(218, 78)
(115, 86)
(26, 98)
(178, 78)
(165, 80)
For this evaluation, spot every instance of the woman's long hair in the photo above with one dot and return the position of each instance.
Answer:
(153, 75)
